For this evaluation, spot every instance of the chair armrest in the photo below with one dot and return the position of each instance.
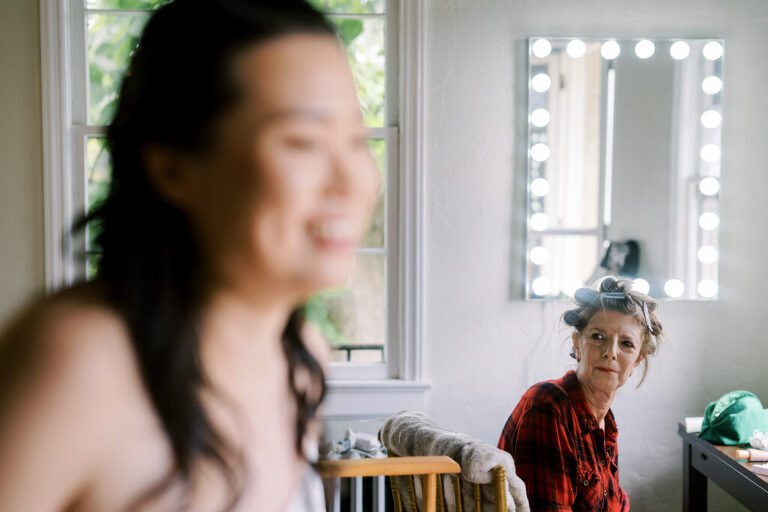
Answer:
(395, 466)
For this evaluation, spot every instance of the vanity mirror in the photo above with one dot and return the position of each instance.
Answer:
(624, 165)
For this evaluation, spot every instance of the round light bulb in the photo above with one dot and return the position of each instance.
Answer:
(711, 85)
(707, 288)
(711, 119)
(641, 285)
(644, 49)
(539, 255)
(576, 48)
(540, 152)
(539, 187)
(610, 50)
(710, 153)
(709, 221)
(541, 286)
(709, 186)
(679, 50)
(541, 82)
(674, 288)
(541, 48)
(712, 50)
(539, 221)
(707, 254)
(540, 117)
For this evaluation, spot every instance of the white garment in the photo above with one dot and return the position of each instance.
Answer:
(309, 496)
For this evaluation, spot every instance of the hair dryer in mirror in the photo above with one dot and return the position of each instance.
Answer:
(619, 259)
(622, 258)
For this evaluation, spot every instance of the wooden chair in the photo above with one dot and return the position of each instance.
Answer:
(428, 468)
(499, 484)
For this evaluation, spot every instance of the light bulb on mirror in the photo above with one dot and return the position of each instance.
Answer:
(540, 117)
(707, 288)
(711, 85)
(712, 50)
(711, 119)
(541, 286)
(710, 153)
(539, 187)
(539, 221)
(641, 285)
(541, 82)
(541, 48)
(644, 49)
(540, 152)
(539, 255)
(709, 186)
(610, 50)
(709, 221)
(707, 254)
(576, 48)
(679, 50)
(674, 288)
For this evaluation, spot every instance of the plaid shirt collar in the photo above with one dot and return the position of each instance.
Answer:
(587, 420)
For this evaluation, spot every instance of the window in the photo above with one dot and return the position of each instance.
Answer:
(374, 322)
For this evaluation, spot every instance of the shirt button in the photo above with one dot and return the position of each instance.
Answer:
(586, 483)
(602, 463)
(605, 493)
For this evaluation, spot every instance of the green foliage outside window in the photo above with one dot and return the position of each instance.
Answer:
(112, 38)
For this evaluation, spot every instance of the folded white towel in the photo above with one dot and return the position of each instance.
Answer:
(412, 433)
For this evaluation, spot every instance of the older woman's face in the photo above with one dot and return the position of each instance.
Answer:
(290, 185)
(608, 349)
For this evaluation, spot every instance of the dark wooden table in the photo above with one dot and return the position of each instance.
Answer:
(703, 460)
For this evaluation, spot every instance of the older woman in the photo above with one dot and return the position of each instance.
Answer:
(563, 434)
(181, 378)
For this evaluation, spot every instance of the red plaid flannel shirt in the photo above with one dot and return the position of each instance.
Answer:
(565, 459)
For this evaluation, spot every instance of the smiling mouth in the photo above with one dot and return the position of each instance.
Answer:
(335, 233)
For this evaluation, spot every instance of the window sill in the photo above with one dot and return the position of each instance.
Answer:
(346, 399)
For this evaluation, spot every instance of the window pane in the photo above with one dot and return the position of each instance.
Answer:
(364, 41)
(92, 265)
(125, 4)
(349, 6)
(353, 319)
(98, 175)
(375, 236)
(111, 41)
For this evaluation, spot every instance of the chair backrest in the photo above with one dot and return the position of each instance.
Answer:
(403, 504)
(427, 468)
(498, 488)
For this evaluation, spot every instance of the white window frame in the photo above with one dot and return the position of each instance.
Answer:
(354, 390)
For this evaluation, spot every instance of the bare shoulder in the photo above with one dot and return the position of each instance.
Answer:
(66, 370)
(70, 340)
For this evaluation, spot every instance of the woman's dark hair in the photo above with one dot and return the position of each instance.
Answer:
(179, 83)
(616, 294)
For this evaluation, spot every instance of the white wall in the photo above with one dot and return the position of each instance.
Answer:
(21, 163)
(485, 346)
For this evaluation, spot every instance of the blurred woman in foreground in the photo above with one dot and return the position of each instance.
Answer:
(182, 377)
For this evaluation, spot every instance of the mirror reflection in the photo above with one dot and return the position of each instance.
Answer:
(624, 165)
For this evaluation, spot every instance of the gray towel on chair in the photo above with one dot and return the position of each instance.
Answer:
(412, 433)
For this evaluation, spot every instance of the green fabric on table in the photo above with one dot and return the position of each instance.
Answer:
(732, 419)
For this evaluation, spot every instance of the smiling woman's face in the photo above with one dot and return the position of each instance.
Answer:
(286, 193)
(608, 349)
